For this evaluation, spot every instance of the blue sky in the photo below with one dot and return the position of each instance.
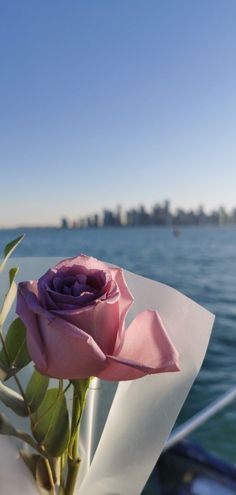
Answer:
(106, 102)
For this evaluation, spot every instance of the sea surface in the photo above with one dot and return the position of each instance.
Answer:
(201, 263)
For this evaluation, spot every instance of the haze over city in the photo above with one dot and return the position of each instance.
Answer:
(106, 103)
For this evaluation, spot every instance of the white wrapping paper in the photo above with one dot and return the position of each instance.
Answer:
(118, 458)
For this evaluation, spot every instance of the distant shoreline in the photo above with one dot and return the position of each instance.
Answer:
(115, 227)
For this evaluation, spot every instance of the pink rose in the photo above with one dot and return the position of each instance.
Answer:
(75, 319)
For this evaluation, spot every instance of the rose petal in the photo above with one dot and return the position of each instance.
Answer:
(101, 321)
(69, 280)
(48, 302)
(88, 262)
(57, 284)
(30, 320)
(146, 349)
(78, 288)
(82, 278)
(76, 301)
(67, 290)
(58, 348)
(125, 301)
(71, 353)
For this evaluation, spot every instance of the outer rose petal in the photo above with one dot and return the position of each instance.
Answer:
(146, 349)
(125, 301)
(70, 353)
(34, 338)
(58, 348)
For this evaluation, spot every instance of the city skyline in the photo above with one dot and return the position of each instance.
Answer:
(81, 213)
(106, 103)
(160, 213)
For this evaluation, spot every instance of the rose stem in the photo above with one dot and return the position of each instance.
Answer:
(50, 477)
(61, 491)
(74, 462)
(62, 468)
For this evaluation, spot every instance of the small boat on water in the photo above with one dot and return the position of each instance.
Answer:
(176, 232)
(186, 468)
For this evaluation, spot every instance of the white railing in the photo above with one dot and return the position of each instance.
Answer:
(198, 419)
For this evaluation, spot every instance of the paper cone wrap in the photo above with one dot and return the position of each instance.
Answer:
(125, 427)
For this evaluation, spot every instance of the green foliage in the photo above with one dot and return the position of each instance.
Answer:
(36, 390)
(8, 250)
(50, 423)
(13, 400)
(80, 389)
(15, 355)
(7, 429)
(81, 386)
(10, 295)
(4, 372)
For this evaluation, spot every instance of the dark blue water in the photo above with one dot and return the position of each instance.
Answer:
(201, 263)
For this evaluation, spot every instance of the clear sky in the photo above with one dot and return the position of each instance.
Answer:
(106, 102)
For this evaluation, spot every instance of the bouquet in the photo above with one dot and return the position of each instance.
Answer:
(71, 324)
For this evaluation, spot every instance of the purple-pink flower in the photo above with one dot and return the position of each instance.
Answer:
(75, 320)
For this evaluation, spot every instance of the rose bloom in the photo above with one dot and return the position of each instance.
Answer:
(75, 320)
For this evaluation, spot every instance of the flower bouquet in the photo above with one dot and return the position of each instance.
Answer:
(68, 346)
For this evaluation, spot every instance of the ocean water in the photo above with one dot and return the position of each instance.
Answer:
(201, 263)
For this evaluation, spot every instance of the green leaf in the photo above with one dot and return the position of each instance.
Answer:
(36, 390)
(7, 429)
(17, 352)
(50, 423)
(10, 295)
(10, 247)
(13, 400)
(4, 372)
